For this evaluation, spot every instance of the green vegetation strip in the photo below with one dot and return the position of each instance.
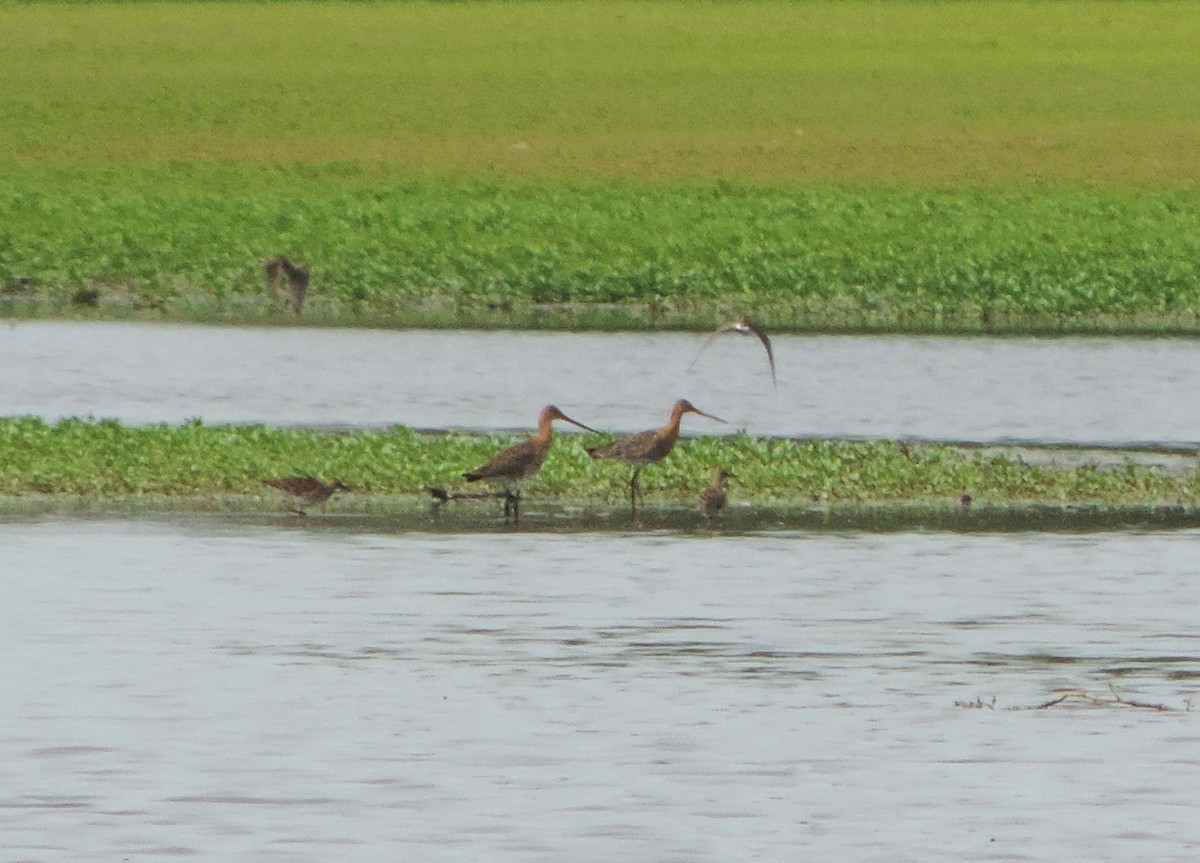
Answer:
(578, 257)
(105, 460)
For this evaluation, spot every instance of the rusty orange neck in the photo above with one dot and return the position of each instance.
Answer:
(544, 430)
(670, 432)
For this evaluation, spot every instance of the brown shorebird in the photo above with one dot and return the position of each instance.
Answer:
(308, 489)
(647, 447)
(513, 465)
(297, 280)
(713, 498)
(743, 326)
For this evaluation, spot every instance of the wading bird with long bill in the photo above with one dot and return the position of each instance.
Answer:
(510, 467)
(648, 447)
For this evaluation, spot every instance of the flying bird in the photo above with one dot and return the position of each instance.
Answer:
(745, 327)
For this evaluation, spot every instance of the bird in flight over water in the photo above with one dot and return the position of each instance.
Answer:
(745, 327)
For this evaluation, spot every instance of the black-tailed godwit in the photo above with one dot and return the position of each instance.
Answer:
(510, 467)
(647, 447)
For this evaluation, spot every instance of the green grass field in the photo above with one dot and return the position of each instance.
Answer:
(771, 92)
(991, 166)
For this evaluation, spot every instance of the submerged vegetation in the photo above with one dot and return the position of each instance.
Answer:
(908, 166)
(100, 459)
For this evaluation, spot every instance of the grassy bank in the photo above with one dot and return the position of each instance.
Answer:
(102, 460)
(166, 246)
(909, 166)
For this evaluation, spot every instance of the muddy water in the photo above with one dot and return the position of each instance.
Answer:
(1089, 391)
(203, 689)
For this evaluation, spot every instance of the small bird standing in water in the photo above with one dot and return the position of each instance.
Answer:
(308, 489)
(745, 327)
(510, 467)
(647, 447)
(297, 280)
(714, 498)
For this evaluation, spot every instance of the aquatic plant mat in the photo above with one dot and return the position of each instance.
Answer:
(100, 462)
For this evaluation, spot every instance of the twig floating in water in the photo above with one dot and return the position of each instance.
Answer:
(1080, 696)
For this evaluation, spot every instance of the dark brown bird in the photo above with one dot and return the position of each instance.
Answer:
(743, 326)
(714, 498)
(297, 276)
(647, 447)
(510, 467)
(308, 489)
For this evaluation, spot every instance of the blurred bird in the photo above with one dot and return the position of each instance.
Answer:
(647, 447)
(510, 467)
(745, 327)
(713, 498)
(308, 489)
(297, 276)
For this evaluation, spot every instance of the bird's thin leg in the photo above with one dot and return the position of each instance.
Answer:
(512, 505)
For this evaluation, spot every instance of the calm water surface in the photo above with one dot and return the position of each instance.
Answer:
(203, 689)
(1080, 391)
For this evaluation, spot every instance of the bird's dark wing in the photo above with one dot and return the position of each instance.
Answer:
(766, 342)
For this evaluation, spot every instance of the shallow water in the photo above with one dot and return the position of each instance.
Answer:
(201, 688)
(1069, 390)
